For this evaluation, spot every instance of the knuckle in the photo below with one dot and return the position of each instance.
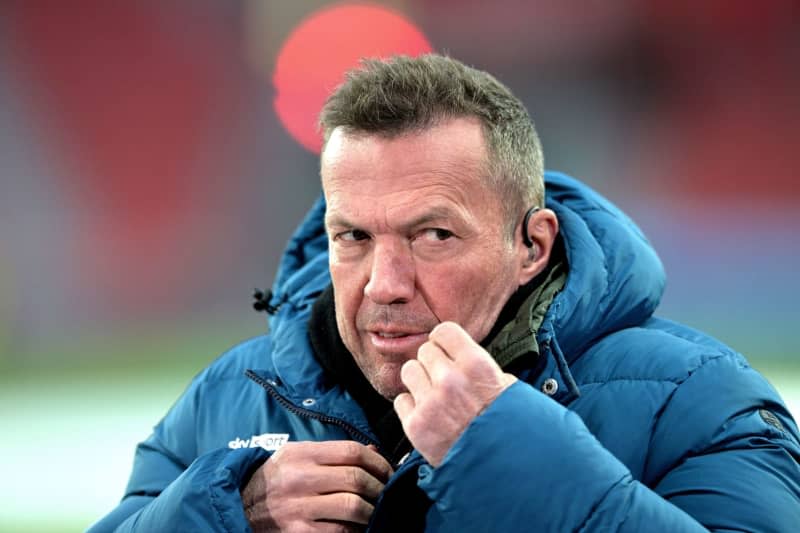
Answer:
(449, 385)
(291, 479)
(398, 401)
(403, 404)
(445, 330)
(353, 479)
(407, 370)
(351, 450)
(288, 452)
(351, 504)
(476, 367)
(424, 353)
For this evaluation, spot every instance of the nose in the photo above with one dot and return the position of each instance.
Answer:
(391, 278)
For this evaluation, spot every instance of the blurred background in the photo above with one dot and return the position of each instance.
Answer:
(155, 157)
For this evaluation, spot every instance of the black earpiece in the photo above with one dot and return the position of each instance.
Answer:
(526, 239)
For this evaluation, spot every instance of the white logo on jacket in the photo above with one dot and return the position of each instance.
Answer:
(268, 441)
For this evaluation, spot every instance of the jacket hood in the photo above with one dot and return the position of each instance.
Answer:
(615, 279)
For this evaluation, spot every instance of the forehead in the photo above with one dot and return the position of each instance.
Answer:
(442, 167)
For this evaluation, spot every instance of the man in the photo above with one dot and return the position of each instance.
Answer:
(459, 342)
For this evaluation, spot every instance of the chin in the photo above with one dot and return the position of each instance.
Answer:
(383, 372)
(389, 389)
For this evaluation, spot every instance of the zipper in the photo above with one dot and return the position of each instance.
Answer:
(353, 431)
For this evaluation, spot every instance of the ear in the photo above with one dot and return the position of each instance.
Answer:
(542, 230)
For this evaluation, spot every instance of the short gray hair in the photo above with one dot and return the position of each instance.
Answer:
(404, 94)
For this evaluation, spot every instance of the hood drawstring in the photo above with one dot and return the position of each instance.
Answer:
(262, 300)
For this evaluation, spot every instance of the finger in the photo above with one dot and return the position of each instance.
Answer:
(346, 453)
(456, 342)
(375, 464)
(404, 405)
(436, 362)
(332, 479)
(340, 506)
(415, 378)
(451, 338)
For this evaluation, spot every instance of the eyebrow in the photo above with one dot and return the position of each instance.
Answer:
(433, 214)
(338, 221)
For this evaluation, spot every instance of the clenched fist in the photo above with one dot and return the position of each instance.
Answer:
(452, 380)
(316, 486)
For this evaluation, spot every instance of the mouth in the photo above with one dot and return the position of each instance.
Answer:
(391, 335)
(397, 341)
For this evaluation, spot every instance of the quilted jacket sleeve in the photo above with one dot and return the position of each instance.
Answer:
(170, 490)
(527, 463)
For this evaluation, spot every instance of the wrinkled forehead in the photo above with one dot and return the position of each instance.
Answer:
(403, 212)
(455, 148)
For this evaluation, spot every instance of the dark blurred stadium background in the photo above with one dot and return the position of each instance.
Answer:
(152, 167)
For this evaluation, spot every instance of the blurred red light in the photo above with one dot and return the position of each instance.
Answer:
(315, 56)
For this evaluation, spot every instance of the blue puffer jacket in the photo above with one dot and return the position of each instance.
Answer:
(652, 427)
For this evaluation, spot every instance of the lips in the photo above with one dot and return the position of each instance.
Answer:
(389, 335)
(389, 341)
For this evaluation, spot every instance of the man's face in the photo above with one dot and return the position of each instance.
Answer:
(416, 238)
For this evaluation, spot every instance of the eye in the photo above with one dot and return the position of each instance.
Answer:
(352, 235)
(437, 234)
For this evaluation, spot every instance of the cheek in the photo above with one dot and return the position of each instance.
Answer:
(347, 294)
(471, 292)
(346, 319)
(453, 292)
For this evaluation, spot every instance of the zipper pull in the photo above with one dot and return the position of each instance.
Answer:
(402, 460)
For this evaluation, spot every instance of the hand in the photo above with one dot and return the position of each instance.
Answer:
(452, 380)
(316, 486)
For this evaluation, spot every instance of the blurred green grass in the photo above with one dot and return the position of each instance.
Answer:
(74, 408)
